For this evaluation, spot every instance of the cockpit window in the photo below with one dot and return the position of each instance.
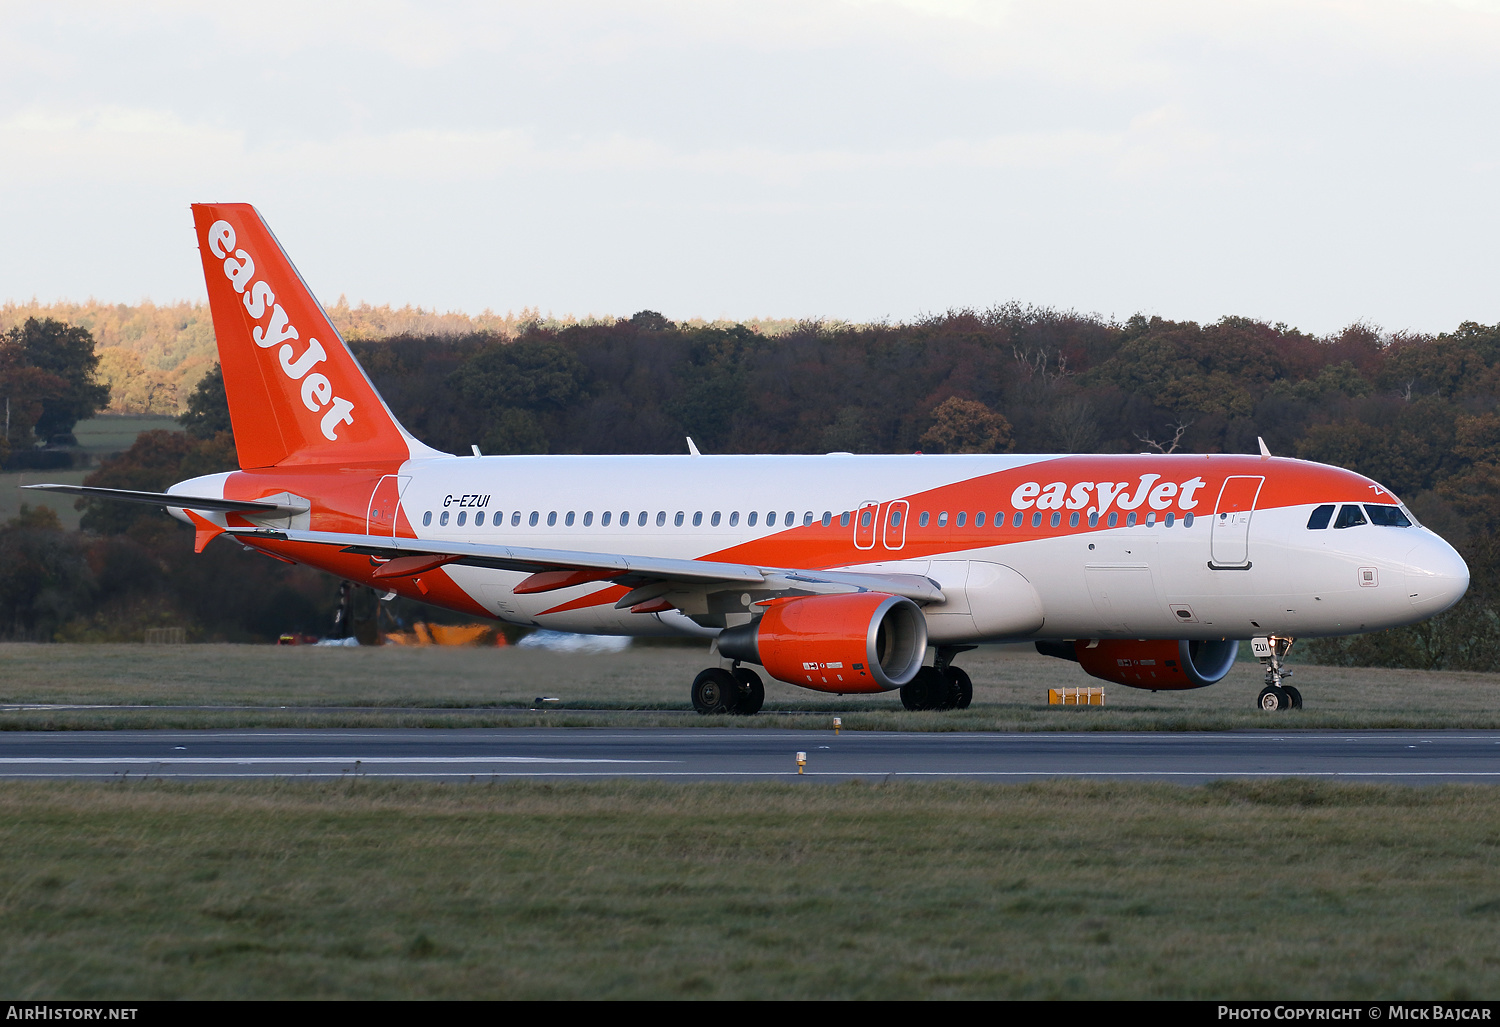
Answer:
(1349, 516)
(1320, 517)
(1387, 516)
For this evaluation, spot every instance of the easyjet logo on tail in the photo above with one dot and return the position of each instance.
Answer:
(259, 298)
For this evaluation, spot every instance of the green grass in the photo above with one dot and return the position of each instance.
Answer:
(642, 890)
(647, 685)
(99, 437)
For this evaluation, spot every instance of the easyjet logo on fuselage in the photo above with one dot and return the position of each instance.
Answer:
(317, 390)
(1098, 496)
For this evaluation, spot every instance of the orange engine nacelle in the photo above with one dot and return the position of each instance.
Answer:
(853, 642)
(1157, 664)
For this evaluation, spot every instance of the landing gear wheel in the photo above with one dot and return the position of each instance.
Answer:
(960, 688)
(1294, 695)
(752, 692)
(927, 691)
(1274, 697)
(715, 691)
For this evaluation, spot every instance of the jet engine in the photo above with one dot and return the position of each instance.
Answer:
(1157, 664)
(850, 642)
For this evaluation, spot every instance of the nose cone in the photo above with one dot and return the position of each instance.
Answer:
(1436, 576)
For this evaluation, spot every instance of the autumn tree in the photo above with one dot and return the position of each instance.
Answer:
(966, 426)
(66, 354)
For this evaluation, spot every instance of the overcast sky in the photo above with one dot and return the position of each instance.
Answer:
(1313, 161)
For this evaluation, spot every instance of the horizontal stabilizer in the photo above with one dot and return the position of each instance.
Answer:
(177, 502)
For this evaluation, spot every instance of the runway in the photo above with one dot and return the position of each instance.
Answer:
(750, 754)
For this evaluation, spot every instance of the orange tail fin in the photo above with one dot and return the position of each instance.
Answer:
(296, 393)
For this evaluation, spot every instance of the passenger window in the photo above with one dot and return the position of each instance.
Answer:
(515, 519)
(552, 519)
(714, 520)
(807, 518)
(463, 515)
(749, 519)
(531, 521)
(1036, 520)
(1114, 518)
(1171, 518)
(640, 519)
(1072, 519)
(661, 518)
(1094, 519)
(568, 520)
(1130, 519)
(791, 515)
(922, 519)
(1151, 520)
(1187, 520)
(864, 518)
(427, 519)
(1387, 516)
(844, 519)
(443, 518)
(1056, 518)
(959, 520)
(1320, 517)
(734, 518)
(604, 518)
(943, 519)
(895, 518)
(698, 519)
(479, 519)
(771, 519)
(588, 518)
(827, 518)
(677, 520)
(1349, 517)
(979, 519)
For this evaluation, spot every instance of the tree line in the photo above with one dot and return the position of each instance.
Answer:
(1416, 412)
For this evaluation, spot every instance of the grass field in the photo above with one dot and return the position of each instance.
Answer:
(640, 890)
(99, 437)
(648, 685)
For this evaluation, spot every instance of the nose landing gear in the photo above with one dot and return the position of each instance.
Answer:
(1271, 651)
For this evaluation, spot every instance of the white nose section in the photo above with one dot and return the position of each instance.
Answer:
(1436, 576)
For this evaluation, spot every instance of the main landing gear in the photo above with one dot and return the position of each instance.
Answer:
(941, 686)
(740, 690)
(1272, 652)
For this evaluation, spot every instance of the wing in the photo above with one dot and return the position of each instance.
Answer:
(650, 578)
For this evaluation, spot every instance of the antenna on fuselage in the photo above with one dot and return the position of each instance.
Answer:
(1263, 450)
(692, 448)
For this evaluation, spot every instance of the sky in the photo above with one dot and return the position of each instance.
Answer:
(1313, 162)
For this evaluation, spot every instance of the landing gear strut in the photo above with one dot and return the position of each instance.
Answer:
(1271, 652)
(941, 686)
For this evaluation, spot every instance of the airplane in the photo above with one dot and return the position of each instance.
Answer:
(837, 573)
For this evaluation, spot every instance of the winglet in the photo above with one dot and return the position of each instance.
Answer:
(1263, 450)
(205, 530)
(692, 448)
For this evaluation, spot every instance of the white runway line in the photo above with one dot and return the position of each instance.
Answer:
(250, 761)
